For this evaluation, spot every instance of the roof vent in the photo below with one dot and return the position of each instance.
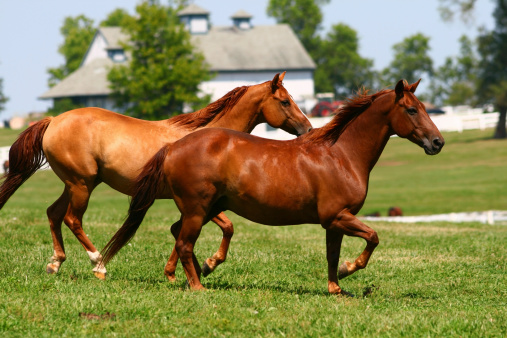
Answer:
(241, 20)
(195, 19)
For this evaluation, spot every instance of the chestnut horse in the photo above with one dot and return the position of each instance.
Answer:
(91, 145)
(321, 177)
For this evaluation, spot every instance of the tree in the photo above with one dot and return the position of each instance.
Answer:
(411, 60)
(117, 18)
(492, 46)
(341, 69)
(164, 70)
(78, 33)
(3, 98)
(454, 82)
(449, 8)
(493, 66)
(303, 16)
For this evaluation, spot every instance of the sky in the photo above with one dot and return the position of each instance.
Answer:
(30, 34)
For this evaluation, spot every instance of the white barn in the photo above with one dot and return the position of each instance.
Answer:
(238, 55)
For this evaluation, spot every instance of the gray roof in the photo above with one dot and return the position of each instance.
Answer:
(193, 9)
(85, 81)
(241, 14)
(259, 48)
(114, 36)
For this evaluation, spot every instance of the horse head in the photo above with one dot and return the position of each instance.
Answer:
(409, 119)
(280, 111)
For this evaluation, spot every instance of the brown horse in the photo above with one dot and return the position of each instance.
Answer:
(321, 177)
(91, 145)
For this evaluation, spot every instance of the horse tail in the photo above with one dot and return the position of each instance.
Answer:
(25, 158)
(146, 187)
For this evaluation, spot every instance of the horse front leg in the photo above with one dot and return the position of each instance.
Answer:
(333, 247)
(351, 226)
(219, 257)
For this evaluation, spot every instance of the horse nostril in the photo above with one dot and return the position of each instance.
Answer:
(309, 129)
(438, 143)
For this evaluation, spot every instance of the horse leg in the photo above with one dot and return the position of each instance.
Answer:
(170, 267)
(79, 197)
(333, 246)
(188, 234)
(56, 213)
(351, 226)
(219, 257)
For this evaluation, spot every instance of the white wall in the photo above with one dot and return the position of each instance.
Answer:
(97, 49)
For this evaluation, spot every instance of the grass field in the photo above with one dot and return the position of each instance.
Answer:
(425, 279)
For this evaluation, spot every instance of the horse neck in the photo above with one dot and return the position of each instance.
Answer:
(244, 115)
(363, 141)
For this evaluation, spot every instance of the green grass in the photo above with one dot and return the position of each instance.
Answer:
(426, 279)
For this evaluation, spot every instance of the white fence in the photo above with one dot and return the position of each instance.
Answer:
(485, 217)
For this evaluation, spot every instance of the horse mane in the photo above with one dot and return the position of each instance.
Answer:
(345, 114)
(218, 108)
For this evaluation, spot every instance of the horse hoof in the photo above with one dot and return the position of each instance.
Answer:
(343, 271)
(51, 270)
(100, 275)
(171, 277)
(206, 270)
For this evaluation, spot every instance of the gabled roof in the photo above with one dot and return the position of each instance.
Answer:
(87, 80)
(114, 36)
(259, 48)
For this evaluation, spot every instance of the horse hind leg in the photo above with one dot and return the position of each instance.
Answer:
(188, 234)
(80, 196)
(56, 213)
(170, 267)
(219, 257)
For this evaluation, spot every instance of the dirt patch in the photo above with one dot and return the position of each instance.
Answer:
(93, 316)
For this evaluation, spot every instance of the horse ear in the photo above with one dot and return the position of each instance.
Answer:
(274, 82)
(413, 86)
(281, 77)
(400, 86)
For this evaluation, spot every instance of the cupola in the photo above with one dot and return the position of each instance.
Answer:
(195, 19)
(241, 20)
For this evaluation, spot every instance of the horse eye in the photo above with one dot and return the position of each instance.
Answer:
(412, 111)
(285, 103)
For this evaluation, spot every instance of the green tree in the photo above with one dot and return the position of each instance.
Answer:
(411, 60)
(303, 16)
(454, 83)
(78, 33)
(341, 69)
(493, 66)
(164, 70)
(117, 18)
(3, 98)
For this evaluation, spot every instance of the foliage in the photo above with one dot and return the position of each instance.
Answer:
(426, 279)
(78, 33)
(164, 70)
(464, 8)
(454, 83)
(493, 66)
(117, 18)
(304, 17)
(341, 69)
(3, 98)
(411, 60)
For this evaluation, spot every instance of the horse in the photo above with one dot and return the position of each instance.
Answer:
(88, 146)
(320, 177)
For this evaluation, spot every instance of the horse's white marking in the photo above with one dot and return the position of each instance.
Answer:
(95, 259)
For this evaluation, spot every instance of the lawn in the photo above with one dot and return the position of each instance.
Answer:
(425, 279)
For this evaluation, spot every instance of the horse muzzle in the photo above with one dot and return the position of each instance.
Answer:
(433, 147)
